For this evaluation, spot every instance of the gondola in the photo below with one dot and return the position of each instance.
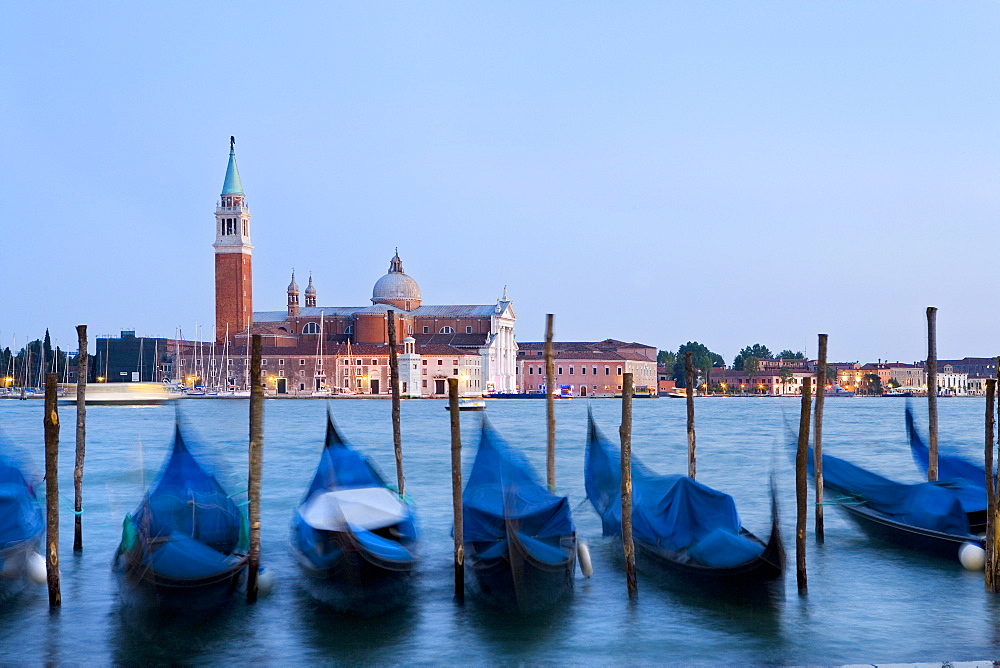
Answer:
(935, 518)
(185, 546)
(353, 537)
(520, 542)
(22, 531)
(949, 466)
(680, 525)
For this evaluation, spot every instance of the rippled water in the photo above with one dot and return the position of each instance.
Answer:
(866, 603)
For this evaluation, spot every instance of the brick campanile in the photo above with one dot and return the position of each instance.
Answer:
(233, 256)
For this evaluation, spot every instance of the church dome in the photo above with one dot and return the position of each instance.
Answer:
(293, 286)
(396, 287)
(310, 289)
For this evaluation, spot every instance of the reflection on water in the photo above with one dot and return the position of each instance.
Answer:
(865, 604)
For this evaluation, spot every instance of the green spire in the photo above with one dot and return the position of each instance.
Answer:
(233, 185)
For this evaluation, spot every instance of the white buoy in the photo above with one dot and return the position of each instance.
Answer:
(265, 581)
(972, 557)
(36, 568)
(583, 555)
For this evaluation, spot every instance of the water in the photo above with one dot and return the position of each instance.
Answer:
(866, 603)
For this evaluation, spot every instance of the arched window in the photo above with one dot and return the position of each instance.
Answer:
(349, 330)
(311, 328)
(446, 330)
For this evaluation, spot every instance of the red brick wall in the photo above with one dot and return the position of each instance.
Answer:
(233, 293)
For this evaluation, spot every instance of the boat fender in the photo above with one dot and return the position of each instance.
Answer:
(265, 581)
(36, 568)
(972, 556)
(583, 554)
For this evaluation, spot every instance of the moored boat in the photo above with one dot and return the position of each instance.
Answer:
(679, 524)
(22, 531)
(353, 538)
(185, 546)
(468, 405)
(520, 542)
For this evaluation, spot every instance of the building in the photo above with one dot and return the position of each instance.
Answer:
(588, 369)
(316, 339)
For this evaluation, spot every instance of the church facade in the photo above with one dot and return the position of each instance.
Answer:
(310, 348)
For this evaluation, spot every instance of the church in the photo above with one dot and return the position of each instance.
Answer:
(311, 349)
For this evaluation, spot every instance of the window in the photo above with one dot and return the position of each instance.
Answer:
(424, 362)
(446, 330)
(310, 328)
(468, 329)
(280, 362)
(607, 371)
(560, 371)
(440, 362)
(374, 362)
(454, 372)
(531, 370)
(319, 362)
(424, 384)
(583, 370)
(281, 373)
(571, 371)
(349, 329)
(454, 362)
(229, 362)
(619, 371)
(302, 362)
(347, 361)
(595, 371)
(426, 330)
(357, 371)
(358, 362)
(262, 362)
(424, 372)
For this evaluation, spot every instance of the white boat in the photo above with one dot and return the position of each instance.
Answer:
(120, 394)
(468, 405)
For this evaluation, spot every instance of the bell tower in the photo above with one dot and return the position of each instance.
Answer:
(233, 255)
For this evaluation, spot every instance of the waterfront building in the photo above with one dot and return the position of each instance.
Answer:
(588, 369)
(448, 336)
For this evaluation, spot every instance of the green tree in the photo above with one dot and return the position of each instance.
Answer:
(665, 358)
(786, 375)
(703, 358)
(758, 350)
(787, 354)
(871, 385)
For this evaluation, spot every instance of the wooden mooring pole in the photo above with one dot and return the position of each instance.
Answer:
(625, 433)
(397, 435)
(550, 407)
(51, 424)
(992, 580)
(801, 491)
(689, 376)
(932, 414)
(256, 464)
(456, 488)
(81, 435)
(818, 436)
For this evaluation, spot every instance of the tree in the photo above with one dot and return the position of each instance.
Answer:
(786, 375)
(787, 354)
(703, 358)
(665, 358)
(871, 384)
(757, 350)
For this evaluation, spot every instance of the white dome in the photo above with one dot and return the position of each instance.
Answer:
(395, 286)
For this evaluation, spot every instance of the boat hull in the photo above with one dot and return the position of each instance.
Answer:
(517, 581)
(142, 587)
(908, 537)
(356, 581)
(14, 566)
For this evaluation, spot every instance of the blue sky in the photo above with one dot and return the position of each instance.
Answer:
(726, 172)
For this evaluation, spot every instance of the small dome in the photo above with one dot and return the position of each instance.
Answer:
(409, 339)
(310, 289)
(395, 285)
(293, 286)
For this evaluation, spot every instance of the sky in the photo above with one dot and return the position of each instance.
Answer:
(662, 172)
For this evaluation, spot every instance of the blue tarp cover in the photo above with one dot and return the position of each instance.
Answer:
(20, 513)
(502, 486)
(950, 468)
(187, 501)
(931, 505)
(673, 511)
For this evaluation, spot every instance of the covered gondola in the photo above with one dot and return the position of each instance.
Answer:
(935, 518)
(22, 531)
(679, 524)
(185, 546)
(520, 542)
(353, 537)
